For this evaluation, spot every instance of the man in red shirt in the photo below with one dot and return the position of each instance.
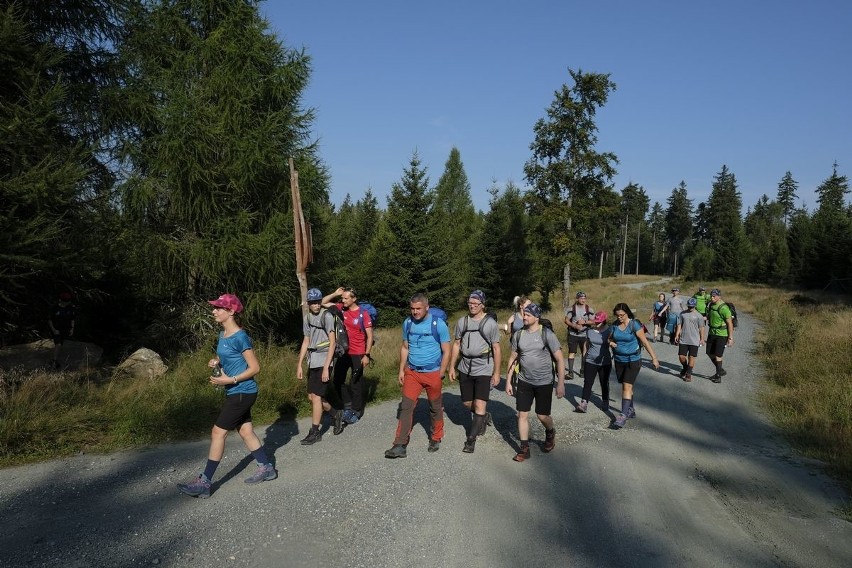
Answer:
(359, 328)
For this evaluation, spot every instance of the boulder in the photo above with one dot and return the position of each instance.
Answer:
(142, 364)
(37, 355)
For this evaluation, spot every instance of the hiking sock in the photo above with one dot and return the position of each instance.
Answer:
(477, 424)
(570, 365)
(626, 403)
(210, 469)
(685, 366)
(260, 456)
(718, 367)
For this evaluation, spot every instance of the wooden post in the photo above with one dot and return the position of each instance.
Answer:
(566, 286)
(302, 236)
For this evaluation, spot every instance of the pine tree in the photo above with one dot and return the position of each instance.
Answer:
(832, 227)
(725, 234)
(767, 236)
(787, 196)
(678, 227)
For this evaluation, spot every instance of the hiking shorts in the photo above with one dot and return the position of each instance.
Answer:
(575, 341)
(236, 411)
(474, 388)
(315, 384)
(716, 345)
(59, 338)
(627, 372)
(691, 350)
(542, 394)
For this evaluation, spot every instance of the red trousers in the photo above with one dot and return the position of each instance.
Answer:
(413, 384)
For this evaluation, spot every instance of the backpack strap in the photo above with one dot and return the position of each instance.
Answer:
(465, 331)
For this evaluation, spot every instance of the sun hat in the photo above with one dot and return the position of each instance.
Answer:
(600, 317)
(229, 302)
(692, 302)
(314, 295)
(534, 310)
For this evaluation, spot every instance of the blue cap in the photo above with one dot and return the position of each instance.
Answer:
(692, 302)
(314, 295)
(534, 310)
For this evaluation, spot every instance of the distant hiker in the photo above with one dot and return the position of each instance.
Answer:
(423, 360)
(61, 323)
(476, 353)
(627, 339)
(598, 362)
(536, 349)
(359, 328)
(675, 305)
(702, 301)
(235, 369)
(689, 336)
(658, 316)
(577, 318)
(721, 335)
(318, 345)
(516, 320)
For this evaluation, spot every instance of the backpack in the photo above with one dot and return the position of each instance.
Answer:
(465, 330)
(370, 309)
(716, 308)
(341, 343)
(733, 314)
(437, 314)
(573, 315)
(547, 326)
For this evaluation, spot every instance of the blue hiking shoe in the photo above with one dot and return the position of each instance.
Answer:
(350, 417)
(199, 487)
(620, 421)
(263, 472)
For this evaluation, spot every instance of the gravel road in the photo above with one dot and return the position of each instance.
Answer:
(699, 478)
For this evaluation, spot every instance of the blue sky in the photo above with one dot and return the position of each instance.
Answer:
(761, 86)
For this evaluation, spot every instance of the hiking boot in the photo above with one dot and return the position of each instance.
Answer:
(620, 422)
(469, 446)
(716, 379)
(313, 437)
(434, 445)
(263, 472)
(199, 487)
(522, 455)
(722, 372)
(549, 440)
(682, 374)
(631, 412)
(350, 417)
(583, 406)
(687, 378)
(397, 451)
(338, 422)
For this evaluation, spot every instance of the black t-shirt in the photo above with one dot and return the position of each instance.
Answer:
(61, 317)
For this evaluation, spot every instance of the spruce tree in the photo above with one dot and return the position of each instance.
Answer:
(725, 234)
(767, 236)
(787, 196)
(832, 227)
(678, 225)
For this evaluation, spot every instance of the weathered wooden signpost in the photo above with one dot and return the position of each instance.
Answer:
(302, 234)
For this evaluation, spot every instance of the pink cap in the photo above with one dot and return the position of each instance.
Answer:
(600, 317)
(229, 302)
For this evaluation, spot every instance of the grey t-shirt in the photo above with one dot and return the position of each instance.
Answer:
(534, 358)
(578, 313)
(598, 352)
(676, 305)
(691, 327)
(475, 356)
(318, 327)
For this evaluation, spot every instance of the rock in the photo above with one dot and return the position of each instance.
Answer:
(74, 355)
(142, 364)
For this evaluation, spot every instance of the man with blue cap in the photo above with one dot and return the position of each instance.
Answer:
(689, 336)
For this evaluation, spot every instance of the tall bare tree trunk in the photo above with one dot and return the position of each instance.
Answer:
(302, 236)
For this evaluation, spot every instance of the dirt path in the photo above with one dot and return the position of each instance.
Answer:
(699, 478)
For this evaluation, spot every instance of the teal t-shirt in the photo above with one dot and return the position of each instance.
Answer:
(424, 353)
(230, 351)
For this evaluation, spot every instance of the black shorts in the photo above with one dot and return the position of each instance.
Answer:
(627, 372)
(59, 338)
(474, 388)
(716, 345)
(315, 384)
(542, 394)
(236, 411)
(574, 342)
(691, 350)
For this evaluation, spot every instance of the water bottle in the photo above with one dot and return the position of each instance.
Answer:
(217, 372)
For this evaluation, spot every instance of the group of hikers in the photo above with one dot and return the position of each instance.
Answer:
(338, 339)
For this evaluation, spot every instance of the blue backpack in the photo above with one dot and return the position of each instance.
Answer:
(370, 309)
(437, 314)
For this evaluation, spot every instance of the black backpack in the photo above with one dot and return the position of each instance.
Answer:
(717, 307)
(465, 331)
(341, 337)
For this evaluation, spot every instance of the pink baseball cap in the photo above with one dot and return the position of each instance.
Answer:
(600, 317)
(229, 302)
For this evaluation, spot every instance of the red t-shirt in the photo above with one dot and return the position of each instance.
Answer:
(352, 321)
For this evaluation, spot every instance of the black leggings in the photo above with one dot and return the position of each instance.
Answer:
(602, 372)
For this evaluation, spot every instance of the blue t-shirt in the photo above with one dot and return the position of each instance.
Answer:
(626, 342)
(424, 353)
(230, 352)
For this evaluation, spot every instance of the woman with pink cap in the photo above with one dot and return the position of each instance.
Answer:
(234, 369)
(598, 362)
